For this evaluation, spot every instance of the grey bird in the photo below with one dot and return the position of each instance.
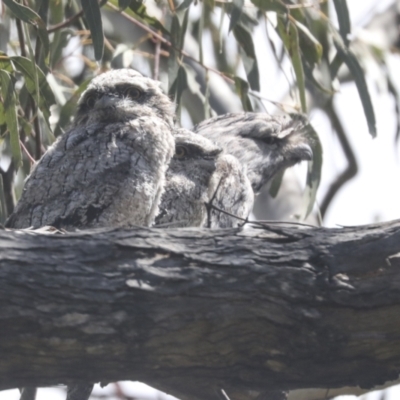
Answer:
(107, 170)
(263, 143)
(204, 184)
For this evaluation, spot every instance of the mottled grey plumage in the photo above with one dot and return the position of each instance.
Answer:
(200, 173)
(265, 144)
(109, 168)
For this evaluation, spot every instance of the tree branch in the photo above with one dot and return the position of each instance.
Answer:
(194, 311)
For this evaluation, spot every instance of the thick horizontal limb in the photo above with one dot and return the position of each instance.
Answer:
(194, 311)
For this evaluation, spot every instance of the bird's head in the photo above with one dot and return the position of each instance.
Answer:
(283, 142)
(193, 152)
(122, 94)
(265, 144)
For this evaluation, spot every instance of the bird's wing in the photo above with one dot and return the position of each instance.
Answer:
(230, 194)
(77, 182)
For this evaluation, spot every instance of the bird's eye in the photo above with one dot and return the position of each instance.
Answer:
(180, 152)
(269, 140)
(133, 93)
(90, 101)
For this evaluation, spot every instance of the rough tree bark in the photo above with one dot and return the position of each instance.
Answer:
(193, 311)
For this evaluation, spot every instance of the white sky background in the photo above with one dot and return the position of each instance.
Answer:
(374, 194)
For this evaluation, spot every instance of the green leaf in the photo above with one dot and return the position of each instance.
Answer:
(236, 13)
(289, 35)
(314, 168)
(184, 4)
(271, 5)
(181, 85)
(91, 10)
(69, 108)
(309, 45)
(5, 62)
(60, 37)
(2, 114)
(242, 88)
(3, 209)
(343, 16)
(23, 13)
(173, 65)
(276, 183)
(139, 10)
(122, 4)
(210, 4)
(10, 110)
(183, 17)
(308, 71)
(245, 40)
(60, 41)
(31, 17)
(335, 65)
(357, 72)
(45, 97)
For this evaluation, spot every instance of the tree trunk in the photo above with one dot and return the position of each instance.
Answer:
(194, 311)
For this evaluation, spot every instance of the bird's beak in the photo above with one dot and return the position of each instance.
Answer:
(105, 102)
(305, 152)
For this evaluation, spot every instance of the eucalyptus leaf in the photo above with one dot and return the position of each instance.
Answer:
(343, 15)
(245, 40)
(139, 11)
(45, 97)
(2, 114)
(314, 168)
(276, 183)
(357, 72)
(29, 16)
(3, 208)
(289, 35)
(242, 88)
(10, 113)
(236, 13)
(271, 5)
(122, 4)
(309, 45)
(91, 10)
(173, 65)
(184, 4)
(181, 83)
(69, 108)
(5, 63)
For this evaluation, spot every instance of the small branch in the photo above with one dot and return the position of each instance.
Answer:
(65, 23)
(194, 311)
(157, 54)
(25, 150)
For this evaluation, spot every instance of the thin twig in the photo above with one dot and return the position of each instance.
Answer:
(157, 53)
(25, 150)
(65, 23)
(209, 204)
